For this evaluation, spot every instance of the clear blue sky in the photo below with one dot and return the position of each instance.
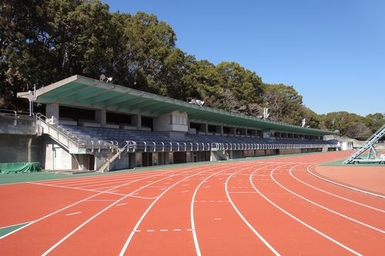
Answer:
(331, 51)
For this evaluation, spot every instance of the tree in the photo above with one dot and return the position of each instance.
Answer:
(149, 44)
(47, 40)
(81, 38)
(204, 81)
(311, 118)
(347, 124)
(284, 103)
(375, 121)
(235, 89)
(22, 39)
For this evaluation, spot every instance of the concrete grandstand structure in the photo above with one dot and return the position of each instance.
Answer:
(93, 125)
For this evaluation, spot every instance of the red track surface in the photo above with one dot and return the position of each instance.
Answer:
(264, 207)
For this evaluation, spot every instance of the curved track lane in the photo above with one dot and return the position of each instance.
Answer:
(274, 206)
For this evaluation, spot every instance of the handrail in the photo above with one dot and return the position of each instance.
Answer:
(79, 142)
(106, 165)
(6, 112)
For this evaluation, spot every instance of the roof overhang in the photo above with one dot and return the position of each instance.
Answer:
(83, 92)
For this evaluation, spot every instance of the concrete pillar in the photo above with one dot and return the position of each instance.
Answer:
(101, 117)
(206, 128)
(233, 131)
(139, 121)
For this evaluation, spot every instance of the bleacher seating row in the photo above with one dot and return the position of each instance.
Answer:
(157, 141)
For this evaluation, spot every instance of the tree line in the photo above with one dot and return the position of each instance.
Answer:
(43, 41)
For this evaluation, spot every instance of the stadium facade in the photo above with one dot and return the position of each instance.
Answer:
(93, 125)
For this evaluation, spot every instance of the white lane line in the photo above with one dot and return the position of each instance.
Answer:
(76, 203)
(105, 200)
(345, 186)
(300, 221)
(15, 225)
(197, 248)
(97, 214)
(121, 204)
(268, 245)
(332, 194)
(76, 188)
(124, 248)
(324, 207)
(162, 230)
(73, 213)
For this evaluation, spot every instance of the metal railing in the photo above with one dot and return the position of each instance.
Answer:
(73, 142)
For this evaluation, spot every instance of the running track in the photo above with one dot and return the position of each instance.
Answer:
(271, 206)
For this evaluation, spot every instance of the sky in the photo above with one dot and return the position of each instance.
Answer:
(331, 51)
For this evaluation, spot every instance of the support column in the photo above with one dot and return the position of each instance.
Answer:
(206, 128)
(101, 117)
(137, 121)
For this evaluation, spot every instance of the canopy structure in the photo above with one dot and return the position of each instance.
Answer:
(83, 92)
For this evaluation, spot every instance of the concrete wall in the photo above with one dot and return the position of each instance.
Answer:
(174, 121)
(55, 157)
(16, 124)
(19, 148)
(18, 140)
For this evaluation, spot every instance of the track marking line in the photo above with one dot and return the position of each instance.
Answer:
(331, 194)
(73, 213)
(162, 230)
(76, 188)
(14, 225)
(298, 220)
(124, 248)
(100, 200)
(73, 204)
(143, 197)
(267, 244)
(121, 204)
(326, 208)
(96, 215)
(195, 237)
(346, 186)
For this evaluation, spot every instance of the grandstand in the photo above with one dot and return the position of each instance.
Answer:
(92, 125)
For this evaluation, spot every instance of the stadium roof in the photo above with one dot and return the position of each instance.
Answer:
(83, 92)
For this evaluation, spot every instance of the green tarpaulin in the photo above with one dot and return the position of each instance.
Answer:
(6, 168)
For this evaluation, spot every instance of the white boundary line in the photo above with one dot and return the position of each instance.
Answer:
(192, 219)
(324, 207)
(243, 218)
(297, 219)
(345, 186)
(96, 215)
(332, 194)
(124, 248)
(71, 205)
